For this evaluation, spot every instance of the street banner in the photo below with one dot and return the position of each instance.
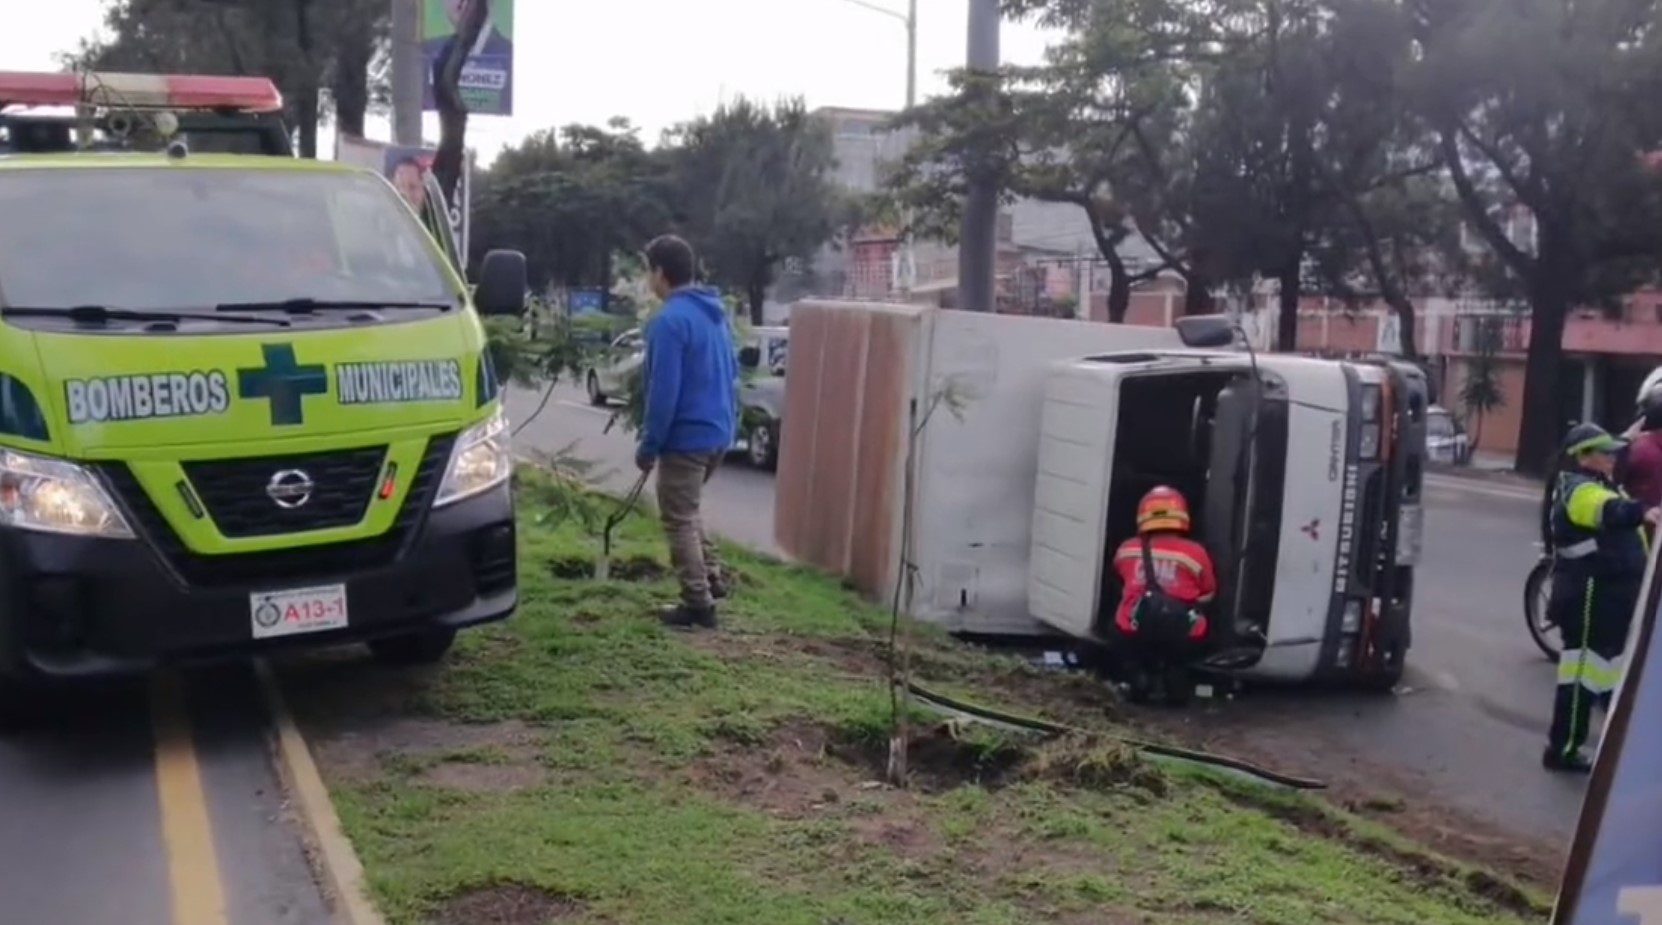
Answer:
(407, 168)
(1614, 873)
(488, 74)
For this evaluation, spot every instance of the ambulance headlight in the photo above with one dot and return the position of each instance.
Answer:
(481, 460)
(56, 496)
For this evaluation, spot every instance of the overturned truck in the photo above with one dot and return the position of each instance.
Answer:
(998, 461)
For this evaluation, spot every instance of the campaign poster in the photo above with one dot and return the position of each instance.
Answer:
(488, 74)
(407, 168)
(1614, 873)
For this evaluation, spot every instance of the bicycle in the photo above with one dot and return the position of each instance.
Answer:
(1537, 592)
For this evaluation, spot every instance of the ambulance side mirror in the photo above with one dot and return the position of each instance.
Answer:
(502, 282)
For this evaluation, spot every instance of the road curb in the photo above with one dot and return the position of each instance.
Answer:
(336, 862)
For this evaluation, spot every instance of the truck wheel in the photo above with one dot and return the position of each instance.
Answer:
(413, 649)
(1386, 679)
(597, 398)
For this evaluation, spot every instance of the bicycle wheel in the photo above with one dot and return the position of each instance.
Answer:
(1537, 590)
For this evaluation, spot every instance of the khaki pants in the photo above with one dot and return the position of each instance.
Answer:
(681, 479)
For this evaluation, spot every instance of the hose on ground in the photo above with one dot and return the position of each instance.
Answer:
(1152, 749)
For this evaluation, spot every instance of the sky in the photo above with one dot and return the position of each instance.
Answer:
(659, 62)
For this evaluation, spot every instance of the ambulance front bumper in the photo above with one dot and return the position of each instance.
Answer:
(75, 606)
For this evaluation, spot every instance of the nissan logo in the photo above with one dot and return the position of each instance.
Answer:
(289, 489)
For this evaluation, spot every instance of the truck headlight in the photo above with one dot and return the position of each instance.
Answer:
(481, 460)
(56, 496)
(1368, 442)
(1351, 621)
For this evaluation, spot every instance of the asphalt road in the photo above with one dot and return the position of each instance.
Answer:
(1470, 719)
(151, 803)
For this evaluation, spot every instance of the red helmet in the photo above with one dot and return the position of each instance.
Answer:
(1163, 508)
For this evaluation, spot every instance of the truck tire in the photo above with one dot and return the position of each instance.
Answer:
(21, 705)
(423, 648)
(1385, 681)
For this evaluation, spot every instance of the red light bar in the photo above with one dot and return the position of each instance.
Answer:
(142, 91)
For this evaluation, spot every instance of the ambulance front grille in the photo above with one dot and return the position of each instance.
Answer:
(234, 491)
(315, 561)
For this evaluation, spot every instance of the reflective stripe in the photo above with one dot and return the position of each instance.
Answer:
(1578, 550)
(1590, 670)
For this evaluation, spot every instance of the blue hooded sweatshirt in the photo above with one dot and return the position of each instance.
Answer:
(691, 377)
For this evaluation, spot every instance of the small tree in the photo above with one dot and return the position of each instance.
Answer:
(1481, 393)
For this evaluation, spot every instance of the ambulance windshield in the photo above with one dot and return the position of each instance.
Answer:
(138, 239)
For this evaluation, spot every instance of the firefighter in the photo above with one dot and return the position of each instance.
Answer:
(1167, 577)
(1600, 550)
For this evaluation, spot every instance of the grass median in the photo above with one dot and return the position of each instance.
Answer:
(579, 764)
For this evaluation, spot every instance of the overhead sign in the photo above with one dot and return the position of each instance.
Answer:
(487, 84)
(1614, 874)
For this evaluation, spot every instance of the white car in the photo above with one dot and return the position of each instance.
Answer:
(1445, 442)
(606, 380)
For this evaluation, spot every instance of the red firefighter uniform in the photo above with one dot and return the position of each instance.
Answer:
(1181, 565)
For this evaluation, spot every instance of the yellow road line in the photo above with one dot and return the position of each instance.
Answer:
(187, 830)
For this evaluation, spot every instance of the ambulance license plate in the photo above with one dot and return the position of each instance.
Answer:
(302, 610)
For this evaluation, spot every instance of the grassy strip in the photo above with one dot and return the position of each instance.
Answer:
(580, 764)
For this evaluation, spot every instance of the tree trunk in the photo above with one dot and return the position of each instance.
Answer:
(1197, 295)
(350, 88)
(1542, 425)
(1407, 318)
(1119, 289)
(1286, 317)
(755, 294)
(307, 104)
(447, 96)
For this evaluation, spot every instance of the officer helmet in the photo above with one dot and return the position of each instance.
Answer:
(1588, 437)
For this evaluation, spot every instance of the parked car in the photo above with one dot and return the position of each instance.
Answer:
(762, 397)
(605, 380)
(1445, 439)
(762, 356)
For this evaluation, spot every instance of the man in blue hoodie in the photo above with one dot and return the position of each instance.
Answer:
(691, 378)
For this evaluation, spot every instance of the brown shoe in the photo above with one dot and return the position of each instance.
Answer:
(684, 616)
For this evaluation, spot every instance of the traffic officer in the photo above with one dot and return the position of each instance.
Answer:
(1600, 554)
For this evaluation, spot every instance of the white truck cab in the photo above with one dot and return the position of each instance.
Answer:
(1303, 480)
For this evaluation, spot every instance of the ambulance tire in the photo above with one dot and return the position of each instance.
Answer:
(424, 648)
(21, 705)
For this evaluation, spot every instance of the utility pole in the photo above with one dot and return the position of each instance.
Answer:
(978, 235)
(409, 80)
(908, 263)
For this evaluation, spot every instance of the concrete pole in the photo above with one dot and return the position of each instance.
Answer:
(908, 254)
(978, 235)
(409, 81)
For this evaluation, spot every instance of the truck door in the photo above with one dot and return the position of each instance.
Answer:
(1070, 504)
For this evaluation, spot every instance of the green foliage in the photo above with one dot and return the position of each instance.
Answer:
(572, 200)
(753, 189)
(538, 349)
(319, 52)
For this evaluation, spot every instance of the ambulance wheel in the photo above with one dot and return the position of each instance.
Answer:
(414, 648)
(21, 705)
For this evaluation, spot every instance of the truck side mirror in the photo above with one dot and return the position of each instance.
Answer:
(502, 282)
(1206, 331)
